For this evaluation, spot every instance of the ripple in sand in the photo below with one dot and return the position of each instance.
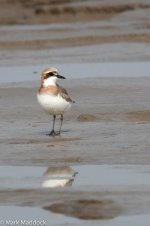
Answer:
(87, 118)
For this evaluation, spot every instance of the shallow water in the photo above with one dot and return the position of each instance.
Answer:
(33, 73)
(14, 177)
(85, 177)
(11, 215)
(91, 178)
(30, 215)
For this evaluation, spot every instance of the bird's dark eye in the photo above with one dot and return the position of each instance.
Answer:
(50, 74)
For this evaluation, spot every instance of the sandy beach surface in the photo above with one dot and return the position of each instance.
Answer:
(106, 31)
(97, 172)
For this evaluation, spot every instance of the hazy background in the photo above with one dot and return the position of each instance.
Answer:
(54, 31)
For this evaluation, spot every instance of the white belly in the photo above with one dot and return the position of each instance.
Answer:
(53, 105)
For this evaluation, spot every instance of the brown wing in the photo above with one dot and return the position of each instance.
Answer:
(64, 94)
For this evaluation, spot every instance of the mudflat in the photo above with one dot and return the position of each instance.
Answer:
(110, 128)
(97, 171)
(43, 32)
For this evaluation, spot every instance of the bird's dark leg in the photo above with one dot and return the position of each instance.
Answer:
(61, 122)
(52, 133)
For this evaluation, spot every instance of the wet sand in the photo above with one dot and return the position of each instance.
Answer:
(114, 120)
(106, 31)
(111, 127)
(97, 171)
(48, 11)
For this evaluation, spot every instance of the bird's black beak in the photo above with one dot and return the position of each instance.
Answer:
(60, 76)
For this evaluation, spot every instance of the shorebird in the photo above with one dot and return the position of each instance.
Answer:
(53, 98)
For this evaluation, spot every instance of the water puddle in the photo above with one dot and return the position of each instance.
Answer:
(14, 215)
(134, 220)
(99, 175)
(35, 216)
(32, 73)
(16, 177)
(17, 180)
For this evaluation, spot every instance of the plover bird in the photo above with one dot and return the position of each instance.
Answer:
(53, 98)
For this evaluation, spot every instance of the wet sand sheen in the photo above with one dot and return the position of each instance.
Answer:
(96, 172)
(56, 11)
(111, 127)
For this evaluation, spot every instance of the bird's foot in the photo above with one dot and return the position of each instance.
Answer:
(53, 133)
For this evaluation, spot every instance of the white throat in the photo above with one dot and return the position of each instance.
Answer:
(51, 81)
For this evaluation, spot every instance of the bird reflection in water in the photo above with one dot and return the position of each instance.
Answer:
(58, 177)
